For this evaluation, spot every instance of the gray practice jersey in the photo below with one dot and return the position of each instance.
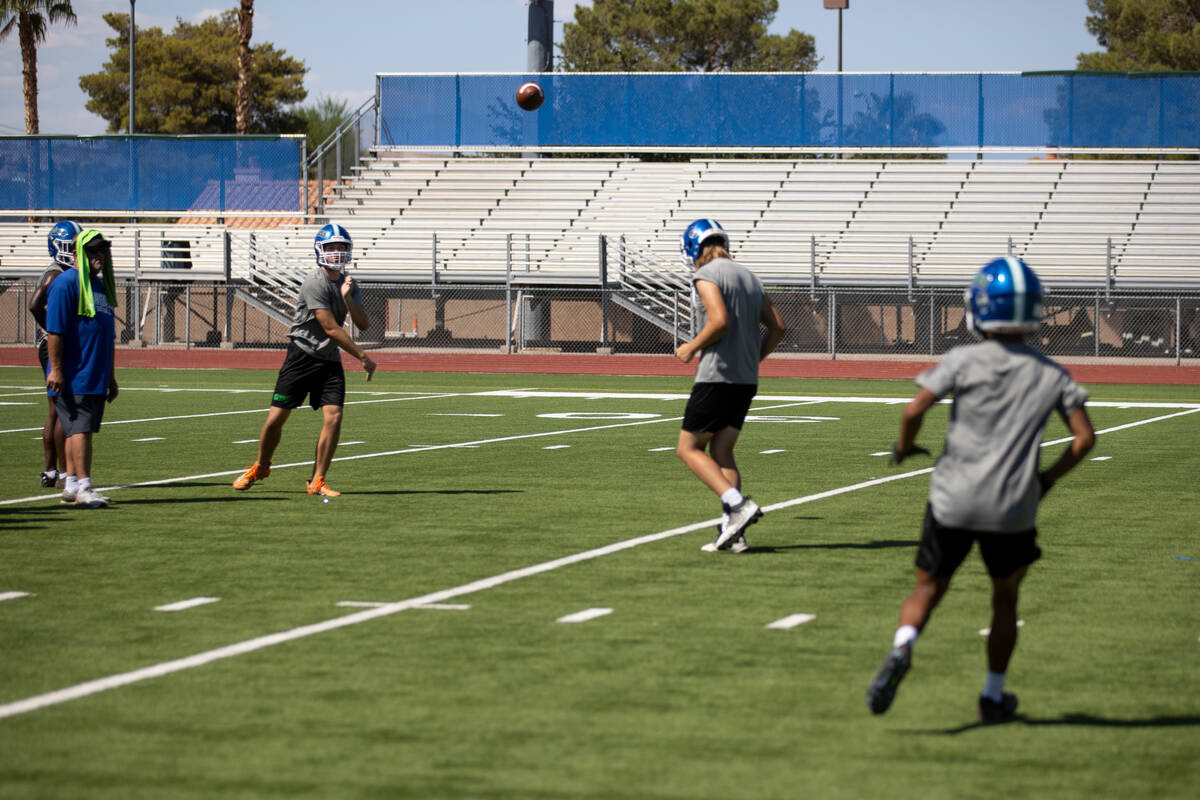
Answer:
(733, 359)
(318, 291)
(986, 479)
(52, 272)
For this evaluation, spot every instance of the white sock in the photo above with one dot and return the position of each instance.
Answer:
(85, 484)
(72, 485)
(732, 497)
(52, 473)
(993, 687)
(905, 635)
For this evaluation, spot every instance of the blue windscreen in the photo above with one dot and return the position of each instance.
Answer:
(150, 173)
(743, 110)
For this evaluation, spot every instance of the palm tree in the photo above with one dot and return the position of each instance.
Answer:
(31, 18)
(242, 101)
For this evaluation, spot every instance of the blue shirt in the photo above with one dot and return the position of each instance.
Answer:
(89, 343)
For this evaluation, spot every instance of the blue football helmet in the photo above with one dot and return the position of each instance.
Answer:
(333, 259)
(61, 242)
(1004, 297)
(694, 237)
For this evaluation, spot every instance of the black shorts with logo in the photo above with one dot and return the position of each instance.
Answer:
(943, 549)
(302, 375)
(716, 406)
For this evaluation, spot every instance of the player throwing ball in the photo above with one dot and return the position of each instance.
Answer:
(986, 486)
(312, 367)
(730, 348)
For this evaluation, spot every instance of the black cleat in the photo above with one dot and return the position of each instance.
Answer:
(1002, 710)
(882, 690)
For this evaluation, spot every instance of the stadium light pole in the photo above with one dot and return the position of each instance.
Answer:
(839, 5)
(132, 36)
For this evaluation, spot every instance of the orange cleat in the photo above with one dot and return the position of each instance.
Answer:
(254, 473)
(319, 486)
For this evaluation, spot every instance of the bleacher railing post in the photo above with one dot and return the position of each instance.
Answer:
(910, 267)
(1096, 327)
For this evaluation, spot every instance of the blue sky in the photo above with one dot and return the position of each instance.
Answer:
(345, 44)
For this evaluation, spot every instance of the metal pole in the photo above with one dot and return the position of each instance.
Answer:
(1108, 271)
(1096, 328)
(675, 318)
(304, 180)
(603, 290)
(187, 317)
(910, 267)
(832, 324)
(839, 40)
(508, 316)
(132, 39)
(321, 186)
(137, 282)
(812, 266)
(1178, 330)
(931, 312)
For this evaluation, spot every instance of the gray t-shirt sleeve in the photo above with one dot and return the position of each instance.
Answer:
(1073, 397)
(941, 377)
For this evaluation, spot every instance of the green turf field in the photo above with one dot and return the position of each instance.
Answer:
(480, 510)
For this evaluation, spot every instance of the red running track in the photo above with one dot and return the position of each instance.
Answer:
(593, 364)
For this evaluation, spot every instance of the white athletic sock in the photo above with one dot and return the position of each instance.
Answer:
(52, 474)
(993, 687)
(85, 483)
(732, 497)
(905, 635)
(72, 485)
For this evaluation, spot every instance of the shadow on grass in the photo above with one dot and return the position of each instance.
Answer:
(436, 491)
(1089, 720)
(31, 518)
(878, 544)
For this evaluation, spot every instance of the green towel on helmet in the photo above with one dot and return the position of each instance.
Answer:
(87, 302)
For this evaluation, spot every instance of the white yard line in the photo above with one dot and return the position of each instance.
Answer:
(89, 688)
(248, 411)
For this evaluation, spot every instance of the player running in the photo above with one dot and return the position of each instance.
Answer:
(730, 348)
(312, 367)
(986, 486)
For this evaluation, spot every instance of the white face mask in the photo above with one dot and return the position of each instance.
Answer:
(332, 258)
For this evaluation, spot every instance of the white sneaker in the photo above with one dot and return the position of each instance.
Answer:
(90, 498)
(67, 498)
(741, 516)
(738, 545)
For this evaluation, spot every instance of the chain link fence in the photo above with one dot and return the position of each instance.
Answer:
(514, 318)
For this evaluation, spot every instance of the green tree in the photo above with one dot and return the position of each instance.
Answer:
(320, 121)
(31, 19)
(1143, 35)
(187, 80)
(682, 35)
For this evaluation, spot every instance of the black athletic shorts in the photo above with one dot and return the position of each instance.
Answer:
(943, 549)
(716, 406)
(79, 413)
(302, 375)
(44, 356)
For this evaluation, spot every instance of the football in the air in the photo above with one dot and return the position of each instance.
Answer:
(530, 96)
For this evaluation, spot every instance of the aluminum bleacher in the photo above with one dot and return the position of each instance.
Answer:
(852, 221)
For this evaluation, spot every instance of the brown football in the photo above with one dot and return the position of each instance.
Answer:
(530, 96)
